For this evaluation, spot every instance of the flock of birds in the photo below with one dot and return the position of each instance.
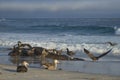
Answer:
(23, 66)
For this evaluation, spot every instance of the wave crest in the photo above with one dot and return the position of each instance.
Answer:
(117, 30)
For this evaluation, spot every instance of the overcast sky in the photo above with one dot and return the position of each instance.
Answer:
(59, 8)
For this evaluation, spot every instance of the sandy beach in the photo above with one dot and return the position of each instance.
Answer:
(8, 72)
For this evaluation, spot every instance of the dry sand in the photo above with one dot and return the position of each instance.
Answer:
(8, 72)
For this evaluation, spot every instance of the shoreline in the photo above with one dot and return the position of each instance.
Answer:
(8, 72)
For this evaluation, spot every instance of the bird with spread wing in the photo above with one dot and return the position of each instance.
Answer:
(95, 58)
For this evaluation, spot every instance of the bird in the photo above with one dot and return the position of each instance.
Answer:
(70, 53)
(23, 67)
(111, 44)
(55, 51)
(95, 58)
(51, 66)
(38, 51)
(58, 52)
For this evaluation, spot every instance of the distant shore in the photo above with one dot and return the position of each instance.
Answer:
(8, 72)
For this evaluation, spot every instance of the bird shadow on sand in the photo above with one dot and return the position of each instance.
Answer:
(10, 70)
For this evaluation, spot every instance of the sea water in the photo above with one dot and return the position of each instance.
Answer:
(61, 33)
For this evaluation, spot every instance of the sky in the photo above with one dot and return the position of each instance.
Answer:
(59, 8)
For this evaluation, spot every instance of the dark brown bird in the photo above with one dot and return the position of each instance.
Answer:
(70, 53)
(23, 67)
(111, 44)
(94, 58)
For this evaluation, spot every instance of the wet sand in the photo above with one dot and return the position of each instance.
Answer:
(8, 72)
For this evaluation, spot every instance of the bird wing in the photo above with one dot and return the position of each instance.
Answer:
(22, 69)
(89, 54)
(104, 54)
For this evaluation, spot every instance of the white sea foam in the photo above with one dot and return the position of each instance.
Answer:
(117, 30)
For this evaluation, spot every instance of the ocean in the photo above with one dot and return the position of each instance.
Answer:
(61, 33)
